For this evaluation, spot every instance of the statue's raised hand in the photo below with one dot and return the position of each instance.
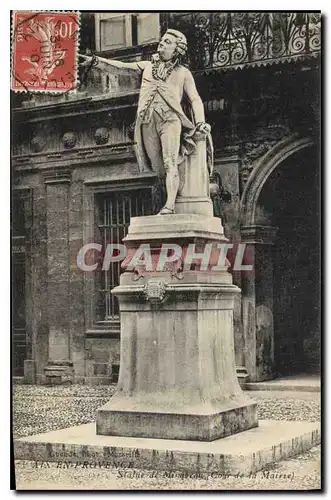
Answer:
(88, 60)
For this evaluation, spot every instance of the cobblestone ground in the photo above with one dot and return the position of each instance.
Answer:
(40, 409)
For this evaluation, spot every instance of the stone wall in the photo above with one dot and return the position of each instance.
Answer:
(66, 150)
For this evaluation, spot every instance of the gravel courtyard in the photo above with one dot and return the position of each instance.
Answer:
(39, 409)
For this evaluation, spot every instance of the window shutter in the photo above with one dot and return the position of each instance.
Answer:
(148, 28)
(113, 31)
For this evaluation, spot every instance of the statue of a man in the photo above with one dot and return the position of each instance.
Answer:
(164, 135)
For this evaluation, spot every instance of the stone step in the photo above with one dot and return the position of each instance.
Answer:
(243, 453)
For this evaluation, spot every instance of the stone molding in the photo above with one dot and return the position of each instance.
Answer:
(184, 292)
(263, 167)
(252, 151)
(259, 234)
(120, 182)
(58, 177)
(104, 153)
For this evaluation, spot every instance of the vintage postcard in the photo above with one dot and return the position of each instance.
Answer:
(166, 250)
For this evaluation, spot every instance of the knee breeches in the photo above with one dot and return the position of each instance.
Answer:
(162, 143)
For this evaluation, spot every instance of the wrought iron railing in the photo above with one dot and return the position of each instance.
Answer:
(221, 40)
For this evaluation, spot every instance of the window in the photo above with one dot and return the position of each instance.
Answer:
(148, 28)
(120, 30)
(113, 215)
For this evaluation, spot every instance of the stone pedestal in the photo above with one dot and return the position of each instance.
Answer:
(177, 373)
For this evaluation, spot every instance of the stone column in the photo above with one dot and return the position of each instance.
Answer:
(228, 166)
(39, 282)
(193, 196)
(76, 285)
(60, 366)
(257, 302)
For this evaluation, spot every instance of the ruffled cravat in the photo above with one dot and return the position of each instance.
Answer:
(161, 69)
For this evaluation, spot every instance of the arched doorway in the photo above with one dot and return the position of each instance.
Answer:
(290, 200)
(283, 192)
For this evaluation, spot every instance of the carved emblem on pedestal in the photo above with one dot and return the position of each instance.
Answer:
(69, 140)
(155, 291)
(101, 135)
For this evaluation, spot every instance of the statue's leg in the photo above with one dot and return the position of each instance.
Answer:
(153, 148)
(170, 140)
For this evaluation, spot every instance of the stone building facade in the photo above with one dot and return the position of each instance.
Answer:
(76, 180)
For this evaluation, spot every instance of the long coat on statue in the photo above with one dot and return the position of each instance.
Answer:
(187, 143)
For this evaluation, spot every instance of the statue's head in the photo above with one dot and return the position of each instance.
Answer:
(173, 45)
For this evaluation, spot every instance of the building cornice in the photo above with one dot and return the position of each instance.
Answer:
(69, 108)
(115, 153)
(137, 181)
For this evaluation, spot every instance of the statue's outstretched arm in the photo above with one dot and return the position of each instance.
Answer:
(137, 66)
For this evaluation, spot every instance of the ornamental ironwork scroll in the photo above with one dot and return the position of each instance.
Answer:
(220, 40)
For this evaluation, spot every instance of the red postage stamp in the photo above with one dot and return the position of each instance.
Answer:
(44, 51)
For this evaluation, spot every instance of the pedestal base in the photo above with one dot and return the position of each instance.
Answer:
(177, 375)
(117, 419)
(180, 227)
(244, 453)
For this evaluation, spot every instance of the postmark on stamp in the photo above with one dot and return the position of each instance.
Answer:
(44, 51)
